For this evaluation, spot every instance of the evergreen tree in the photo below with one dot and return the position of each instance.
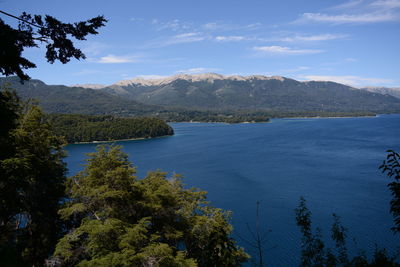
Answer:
(32, 185)
(119, 220)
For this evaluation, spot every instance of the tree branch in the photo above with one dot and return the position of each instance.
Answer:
(15, 17)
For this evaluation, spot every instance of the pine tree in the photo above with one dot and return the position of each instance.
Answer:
(32, 185)
(119, 220)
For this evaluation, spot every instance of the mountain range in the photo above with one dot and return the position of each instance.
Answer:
(384, 91)
(257, 92)
(65, 99)
(207, 92)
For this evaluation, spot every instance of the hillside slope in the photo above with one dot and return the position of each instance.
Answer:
(64, 99)
(384, 91)
(214, 91)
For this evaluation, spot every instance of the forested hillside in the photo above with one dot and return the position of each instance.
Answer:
(224, 100)
(214, 91)
(63, 99)
(86, 128)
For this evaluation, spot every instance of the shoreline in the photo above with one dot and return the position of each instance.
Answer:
(244, 122)
(276, 118)
(219, 122)
(330, 117)
(117, 140)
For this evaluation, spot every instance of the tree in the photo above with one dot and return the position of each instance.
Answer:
(257, 239)
(313, 249)
(32, 177)
(119, 220)
(35, 29)
(315, 253)
(391, 166)
(9, 205)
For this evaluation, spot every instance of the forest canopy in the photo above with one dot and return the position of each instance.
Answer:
(86, 128)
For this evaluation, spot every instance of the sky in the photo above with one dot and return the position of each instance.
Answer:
(353, 42)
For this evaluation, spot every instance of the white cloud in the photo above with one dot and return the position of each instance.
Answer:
(386, 4)
(211, 26)
(116, 59)
(230, 38)
(197, 70)
(349, 80)
(94, 48)
(173, 25)
(349, 4)
(350, 59)
(357, 12)
(189, 37)
(281, 50)
(214, 26)
(346, 18)
(253, 25)
(313, 38)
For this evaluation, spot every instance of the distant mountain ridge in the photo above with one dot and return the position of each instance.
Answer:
(384, 90)
(209, 77)
(65, 99)
(184, 96)
(255, 92)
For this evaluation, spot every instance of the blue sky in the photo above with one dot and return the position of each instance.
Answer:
(354, 42)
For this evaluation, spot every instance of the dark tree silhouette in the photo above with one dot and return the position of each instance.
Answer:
(391, 166)
(35, 29)
(315, 253)
(32, 173)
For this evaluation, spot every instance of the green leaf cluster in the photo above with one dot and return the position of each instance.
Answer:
(32, 176)
(117, 219)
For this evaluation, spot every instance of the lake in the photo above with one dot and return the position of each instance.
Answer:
(332, 162)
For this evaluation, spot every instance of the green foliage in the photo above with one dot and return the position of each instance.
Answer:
(31, 184)
(391, 166)
(315, 253)
(119, 220)
(33, 29)
(86, 128)
(312, 253)
(9, 112)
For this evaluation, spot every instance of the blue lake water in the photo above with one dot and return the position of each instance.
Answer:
(333, 163)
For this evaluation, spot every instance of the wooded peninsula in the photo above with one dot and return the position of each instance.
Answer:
(89, 128)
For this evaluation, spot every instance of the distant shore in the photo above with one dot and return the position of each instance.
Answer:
(295, 117)
(117, 140)
(329, 117)
(219, 122)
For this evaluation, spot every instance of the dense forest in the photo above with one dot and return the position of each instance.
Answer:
(234, 116)
(88, 128)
